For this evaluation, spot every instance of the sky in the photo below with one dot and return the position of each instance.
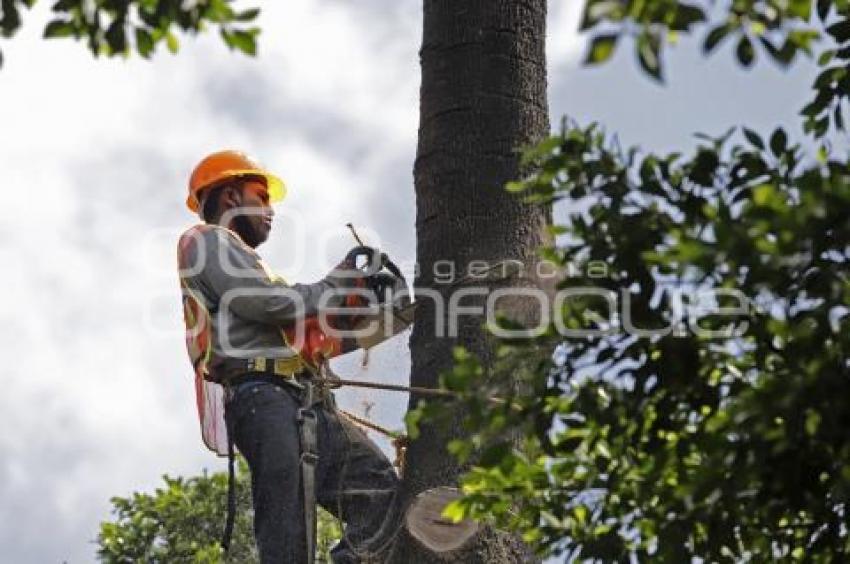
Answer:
(97, 395)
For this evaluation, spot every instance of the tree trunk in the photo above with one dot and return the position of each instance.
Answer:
(483, 97)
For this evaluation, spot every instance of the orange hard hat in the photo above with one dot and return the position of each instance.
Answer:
(223, 165)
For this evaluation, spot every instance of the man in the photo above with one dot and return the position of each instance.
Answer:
(238, 315)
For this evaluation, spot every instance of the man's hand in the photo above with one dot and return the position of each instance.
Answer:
(350, 273)
(367, 268)
(384, 285)
(373, 260)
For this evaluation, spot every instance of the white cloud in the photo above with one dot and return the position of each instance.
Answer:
(563, 42)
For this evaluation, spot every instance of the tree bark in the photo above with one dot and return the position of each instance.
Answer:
(483, 97)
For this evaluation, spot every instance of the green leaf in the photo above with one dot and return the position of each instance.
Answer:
(778, 142)
(244, 41)
(829, 76)
(745, 52)
(648, 48)
(116, 37)
(11, 18)
(824, 7)
(816, 106)
(783, 56)
(826, 57)
(803, 39)
(754, 138)
(821, 126)
(840, 30)
(59, 28)
(764, 194)
(461, 450)
(454, 511)
(65, 5)
(714, 37)
(601, 49)
(412, 419)
(685, 16)
(580, 513)
(813, 420)
(800, 8)
(597, 10)
(247, 15)
(220, 11)
(494, 455)
(172, 42)
(144, 43)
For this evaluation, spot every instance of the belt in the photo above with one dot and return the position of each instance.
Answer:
(286, 367)
(277, 371)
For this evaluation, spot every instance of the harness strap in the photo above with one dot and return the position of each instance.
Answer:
(230, 520)
(308, 425)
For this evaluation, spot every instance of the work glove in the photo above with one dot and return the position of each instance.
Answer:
(346, 274)
(384, 285)
(352, 276)
(369, 268)
(367, 259)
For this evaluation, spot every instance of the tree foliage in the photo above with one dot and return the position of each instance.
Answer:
(119, 27)
(722, 433)
(690, 394)
(778, 29)
(183, 522)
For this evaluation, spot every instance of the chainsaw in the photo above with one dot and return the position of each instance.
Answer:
(369, 322)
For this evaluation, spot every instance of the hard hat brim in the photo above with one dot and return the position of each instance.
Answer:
(274, 185)
(276, 188)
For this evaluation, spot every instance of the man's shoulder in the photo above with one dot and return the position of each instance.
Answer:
(211, 240)
(192, 239)
(208, 233)
(202, 230)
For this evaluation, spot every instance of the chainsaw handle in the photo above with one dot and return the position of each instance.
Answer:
(375, 262)
(391, 266)
(374, 258)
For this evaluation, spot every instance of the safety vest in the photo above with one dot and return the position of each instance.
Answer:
(209, 396)
(314, 347)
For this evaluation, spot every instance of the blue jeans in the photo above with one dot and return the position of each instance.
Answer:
(354, 480)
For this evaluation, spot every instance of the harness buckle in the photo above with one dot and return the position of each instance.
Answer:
(287, 366)
(306, 413)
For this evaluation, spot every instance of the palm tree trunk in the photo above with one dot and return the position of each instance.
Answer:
(483, 97)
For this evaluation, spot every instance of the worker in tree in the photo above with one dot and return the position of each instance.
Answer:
(252, 360)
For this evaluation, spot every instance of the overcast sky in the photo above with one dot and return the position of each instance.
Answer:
(97, 395)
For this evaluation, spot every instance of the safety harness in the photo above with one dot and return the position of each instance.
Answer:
(284, 371)
(308, 426)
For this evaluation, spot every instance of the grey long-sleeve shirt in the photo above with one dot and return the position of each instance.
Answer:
(234, 306)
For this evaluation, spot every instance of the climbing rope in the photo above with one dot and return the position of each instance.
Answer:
(398, 439)
(337, 382)
(326, 377)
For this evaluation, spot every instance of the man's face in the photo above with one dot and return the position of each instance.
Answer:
(259, 216)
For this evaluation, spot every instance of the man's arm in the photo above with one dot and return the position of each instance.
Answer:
(235, 278)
